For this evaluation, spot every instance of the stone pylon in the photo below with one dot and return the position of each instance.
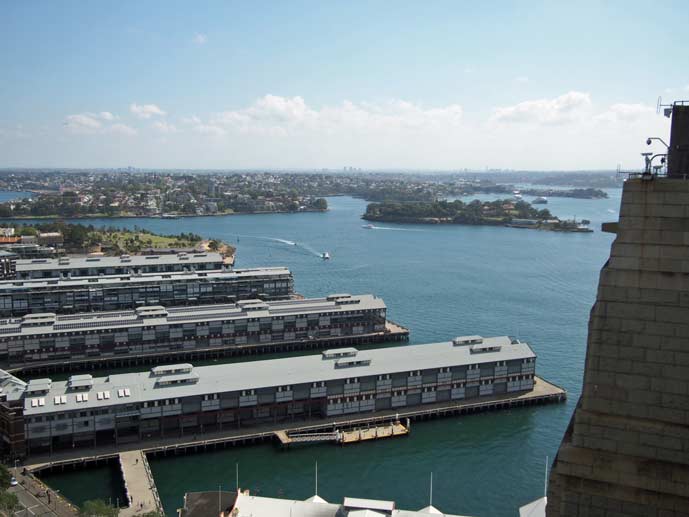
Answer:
(626, 451)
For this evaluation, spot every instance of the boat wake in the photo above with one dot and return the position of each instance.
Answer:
(305, 247)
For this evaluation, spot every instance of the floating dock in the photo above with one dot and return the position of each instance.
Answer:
(357, 434)
(374, 433)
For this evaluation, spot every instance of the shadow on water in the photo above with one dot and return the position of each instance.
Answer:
(84, 484)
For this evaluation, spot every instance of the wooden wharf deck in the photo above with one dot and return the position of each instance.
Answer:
(392, 430)
(139, 486)
(544, 392)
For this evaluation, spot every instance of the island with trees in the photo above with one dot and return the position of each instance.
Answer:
(502, 212)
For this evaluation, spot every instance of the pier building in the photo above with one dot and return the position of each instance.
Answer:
(45, 339)
(43, 416)
(129, 291)
(73, 267)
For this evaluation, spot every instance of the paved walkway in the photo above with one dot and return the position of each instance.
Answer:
(38, 499)
(138, 484)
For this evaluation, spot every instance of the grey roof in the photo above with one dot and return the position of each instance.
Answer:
(158, 315)
(121, 261)
(144, 386)
(109, 280)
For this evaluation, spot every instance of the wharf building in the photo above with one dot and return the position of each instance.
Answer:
(73, 267)
(176, 400)
(47, 340)
(129, 291)
(626, 450)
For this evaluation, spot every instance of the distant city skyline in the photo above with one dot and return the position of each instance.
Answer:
(309, 85)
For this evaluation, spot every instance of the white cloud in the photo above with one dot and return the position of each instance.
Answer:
(625, 113)
(559, 110)
(95, 123)
(522, 79)
(568, 131)
(146, 111)
(276, 115)
(122, 129)
(191, 120)
(164, 127)
(200, 39)
(83, 123)
(209, 129)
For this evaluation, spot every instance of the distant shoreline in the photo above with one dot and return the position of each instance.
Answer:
(176, 216)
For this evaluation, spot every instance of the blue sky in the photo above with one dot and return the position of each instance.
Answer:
(540, 85)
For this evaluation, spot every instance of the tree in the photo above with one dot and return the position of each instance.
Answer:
(8, 502)
(320, 204)
(214, 245)
(5, 477)
(97, 508)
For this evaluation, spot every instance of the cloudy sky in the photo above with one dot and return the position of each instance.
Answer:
(417, 85)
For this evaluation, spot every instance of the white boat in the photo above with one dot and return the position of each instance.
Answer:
(325, 255)
(368, 226)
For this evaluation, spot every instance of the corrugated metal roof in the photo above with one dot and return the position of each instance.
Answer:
(158, 315)
(122, 261)
(110, 280)
(288, 371)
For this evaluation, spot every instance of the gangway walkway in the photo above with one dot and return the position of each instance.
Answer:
(139, 485)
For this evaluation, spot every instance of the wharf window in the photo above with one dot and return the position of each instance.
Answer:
(473, 367)
(384, 377)
(445, 370)
(353, 380)
(246, 393)
(213, 396)
(415, 374)
(318, 384)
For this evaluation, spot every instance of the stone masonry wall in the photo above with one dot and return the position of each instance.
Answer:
(627, 449)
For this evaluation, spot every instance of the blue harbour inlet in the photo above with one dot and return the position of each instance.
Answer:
(440, 282)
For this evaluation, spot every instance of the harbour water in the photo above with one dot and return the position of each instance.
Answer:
(440, 281)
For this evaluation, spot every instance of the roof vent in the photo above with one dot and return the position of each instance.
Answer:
(350, 363)
(335, 353)
(467, 340)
